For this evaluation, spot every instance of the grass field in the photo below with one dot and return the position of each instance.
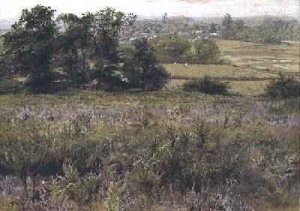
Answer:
(217, 71)
(251, 66)
(245, 118)
(273, 58)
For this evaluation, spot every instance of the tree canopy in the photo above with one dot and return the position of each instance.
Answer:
(76, 51)
(31, 43)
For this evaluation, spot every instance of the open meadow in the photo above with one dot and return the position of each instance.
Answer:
(149, 138)
(272, 58)
(251, 66)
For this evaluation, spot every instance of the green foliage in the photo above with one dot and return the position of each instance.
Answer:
(284, 87)
(74, 43)
(180, 50)
(31, 42)
(89, 47)
(113, 197)
(212, 28)
(265, 33)
(105, 41)
(206, 52)
(270, 31)
(118, 152)
(28, 153)
(146, 163)
(71, 186)
(84, 50)
(207, 85)
(274, 31)
(170, 49)
(142, 69)
(8, 85)
(228, 30)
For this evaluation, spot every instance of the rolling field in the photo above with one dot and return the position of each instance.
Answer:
(216, 71)
(244, 81)
(127, 125)
(251, 66)
(94, 115)
(272, 58)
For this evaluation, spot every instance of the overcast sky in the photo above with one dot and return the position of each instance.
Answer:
(191, 8)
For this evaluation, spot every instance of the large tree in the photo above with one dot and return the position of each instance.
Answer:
(206, 52)
(212, 28)
(106, 28)
(31, 43)
(74, 44)
(142, 69)
(170, 49)
(228, 30)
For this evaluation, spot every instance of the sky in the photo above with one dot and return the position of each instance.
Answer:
(11, 9)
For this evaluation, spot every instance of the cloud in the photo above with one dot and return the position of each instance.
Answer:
(191, 8)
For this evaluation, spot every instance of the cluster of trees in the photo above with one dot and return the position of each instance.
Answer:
(274, 31)
(269, 31)
(170, 49)
(78, 51)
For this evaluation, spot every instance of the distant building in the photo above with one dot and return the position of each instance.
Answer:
(214, 34)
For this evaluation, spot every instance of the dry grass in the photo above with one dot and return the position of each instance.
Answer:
(245, 88)
(252, 67)
(248, 88)
(6, 204)
(262, 57)
(219, 71)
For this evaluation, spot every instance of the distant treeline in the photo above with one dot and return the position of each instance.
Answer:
(175, 49)
(266, 29)
(270, 31)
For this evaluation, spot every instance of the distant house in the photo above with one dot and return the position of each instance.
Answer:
(214, 35)
(132, 39)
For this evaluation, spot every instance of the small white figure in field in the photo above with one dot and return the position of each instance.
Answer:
(186, 64)
(95, 83)
(175, 63)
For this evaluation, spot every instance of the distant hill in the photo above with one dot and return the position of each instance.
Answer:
(255, 20)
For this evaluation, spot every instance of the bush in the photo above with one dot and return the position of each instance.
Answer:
(207, 52)
(171, 49)
(9, 86)
(207, 85)
(40, 81)
(180, 50)
(284, 87)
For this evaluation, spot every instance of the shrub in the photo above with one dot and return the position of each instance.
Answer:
(9, 86)
(40, 81)
(207, 85)
(33, 155)
(207, 52)
(71, 186)
(171, 49)
(200, 165)
(284, 87)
